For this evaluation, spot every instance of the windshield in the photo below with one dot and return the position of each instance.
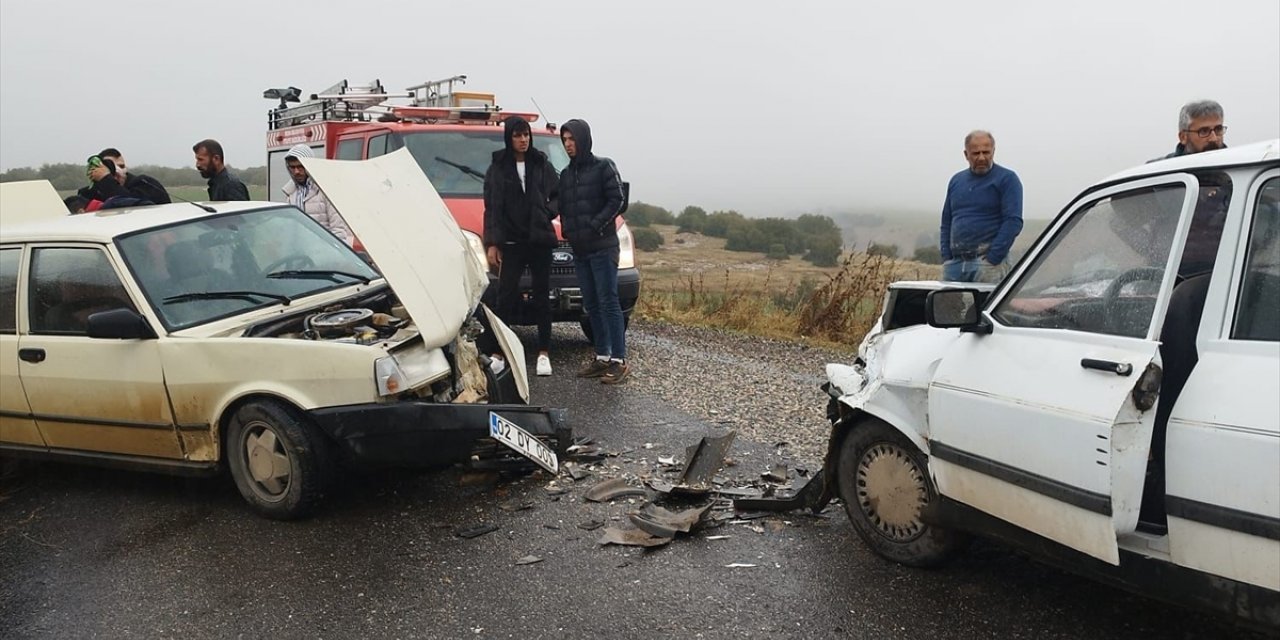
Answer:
(211, 268)
(455, 161)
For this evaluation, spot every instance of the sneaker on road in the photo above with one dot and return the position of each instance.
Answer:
(617, 373)
(594, 369)
(544, 365)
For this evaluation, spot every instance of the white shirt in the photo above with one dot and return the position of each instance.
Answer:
(520, 172)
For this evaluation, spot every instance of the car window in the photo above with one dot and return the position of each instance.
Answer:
(1103, 269)
(9, 289)
(350, 149)
(455, 161)
(68, 284)
(378, 146)
(1258, 306)
(209, 268)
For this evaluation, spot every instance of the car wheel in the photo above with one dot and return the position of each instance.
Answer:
(884, 484)
(279, 462)
(585, 323)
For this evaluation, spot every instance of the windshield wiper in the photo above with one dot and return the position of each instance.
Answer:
(226, 295)
(463, 168)
(317, 274)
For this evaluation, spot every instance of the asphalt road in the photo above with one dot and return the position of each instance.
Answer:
(92, 553)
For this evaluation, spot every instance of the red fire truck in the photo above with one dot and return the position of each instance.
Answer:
(452, 134)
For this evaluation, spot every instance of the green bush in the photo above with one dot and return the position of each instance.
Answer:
(777, 252)
(647, 239)
(641, 214)
(692, 219)
(824, 251)
(928, 255)
(883, 250)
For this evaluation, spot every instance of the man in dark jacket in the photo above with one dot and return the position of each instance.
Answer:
(223, 186)
(111, 179)
(591, 198)
(518, 188)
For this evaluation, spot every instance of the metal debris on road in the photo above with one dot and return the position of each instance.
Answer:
(777, 474)
(528, 560)
(809, 495)
(631, 538)
(740, 565)
(576, 471)
(702, 462)
(610, 489)
(476, 531)
(717, 537)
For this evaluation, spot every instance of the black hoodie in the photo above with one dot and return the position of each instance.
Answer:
(516, 213)
(590, 195)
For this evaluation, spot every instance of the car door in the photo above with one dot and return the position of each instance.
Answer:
(1037, 422)
(89, 395)
(1223, 450)
(17, 428)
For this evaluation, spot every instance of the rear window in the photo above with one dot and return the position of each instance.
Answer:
(455, 161)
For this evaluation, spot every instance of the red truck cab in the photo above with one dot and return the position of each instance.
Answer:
(452, 135)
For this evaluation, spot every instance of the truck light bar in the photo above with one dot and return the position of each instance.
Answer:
(467, 114)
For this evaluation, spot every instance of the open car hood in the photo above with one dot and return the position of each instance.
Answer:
(404, 225)
(29, 200)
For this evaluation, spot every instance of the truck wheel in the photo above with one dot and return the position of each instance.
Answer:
(884, 484)
(279, 462)
(585, 323)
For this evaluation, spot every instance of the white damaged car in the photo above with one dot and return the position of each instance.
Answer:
(1111, 406)
(184, 337)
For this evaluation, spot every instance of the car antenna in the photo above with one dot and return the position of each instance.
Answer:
(203, 207)
(551, 126)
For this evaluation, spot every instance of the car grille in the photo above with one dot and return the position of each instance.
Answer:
(561, 267)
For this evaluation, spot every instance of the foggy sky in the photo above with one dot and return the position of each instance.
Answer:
(774, 108)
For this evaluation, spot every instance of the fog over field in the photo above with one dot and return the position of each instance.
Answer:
(767, 109)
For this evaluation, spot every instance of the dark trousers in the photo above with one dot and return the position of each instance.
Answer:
(515, 258)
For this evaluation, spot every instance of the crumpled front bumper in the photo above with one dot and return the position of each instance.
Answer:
(427, 434)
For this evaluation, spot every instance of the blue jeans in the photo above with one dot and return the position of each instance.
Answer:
(974, 270)
(598, 278)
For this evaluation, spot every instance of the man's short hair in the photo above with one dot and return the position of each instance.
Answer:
(109, 152)
(978, 133)
(212, 146)
(1197, 109)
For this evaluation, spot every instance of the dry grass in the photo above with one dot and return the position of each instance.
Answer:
(693, 280)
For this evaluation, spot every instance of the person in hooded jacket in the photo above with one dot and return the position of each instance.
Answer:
(303, 193)
(518, 190)
(591, 198)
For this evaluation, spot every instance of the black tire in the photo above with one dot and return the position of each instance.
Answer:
(883, 480)
(279, 462)
(585, 324)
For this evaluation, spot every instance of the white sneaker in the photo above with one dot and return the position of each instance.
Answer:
(544, 365)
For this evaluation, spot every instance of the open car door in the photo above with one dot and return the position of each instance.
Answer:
(1045, 422)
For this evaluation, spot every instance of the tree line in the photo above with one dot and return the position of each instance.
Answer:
(67, 176)
(815, 238)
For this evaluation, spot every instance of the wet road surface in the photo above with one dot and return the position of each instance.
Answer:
(96, 553)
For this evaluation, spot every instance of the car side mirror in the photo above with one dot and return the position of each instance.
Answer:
(947, 308)
(119, 324)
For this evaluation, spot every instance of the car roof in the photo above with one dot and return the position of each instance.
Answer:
(105, 225)
(1255, 153)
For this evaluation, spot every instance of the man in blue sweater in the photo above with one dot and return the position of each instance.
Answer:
(981, 216)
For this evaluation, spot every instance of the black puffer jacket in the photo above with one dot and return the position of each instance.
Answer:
(513, 213)
(590, 195)
(141, 187)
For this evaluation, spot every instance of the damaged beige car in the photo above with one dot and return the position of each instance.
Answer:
(189, 337)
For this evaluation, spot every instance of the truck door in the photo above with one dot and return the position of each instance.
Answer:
(1038, 422)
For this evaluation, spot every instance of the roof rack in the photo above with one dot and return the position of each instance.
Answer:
(431, 101)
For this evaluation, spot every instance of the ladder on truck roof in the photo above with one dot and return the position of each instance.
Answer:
(432, 101)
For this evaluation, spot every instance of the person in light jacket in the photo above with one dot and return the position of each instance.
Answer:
(304, 194)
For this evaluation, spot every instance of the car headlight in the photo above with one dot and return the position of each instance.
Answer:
(388, 376)
(626, 248)
(477, 248)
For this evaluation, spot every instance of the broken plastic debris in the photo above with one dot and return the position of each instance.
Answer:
(610, 489)
(777, 474)
(528, 560)
(717, 537)
(631, 538)
(739, 565)
(476, 531)
(591, 525)
(670, 461)
(666, 524)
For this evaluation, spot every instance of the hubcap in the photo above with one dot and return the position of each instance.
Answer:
(891, 491)
(269, 466)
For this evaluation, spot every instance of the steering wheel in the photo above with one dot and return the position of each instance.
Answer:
(291, 261)
(1111, 297)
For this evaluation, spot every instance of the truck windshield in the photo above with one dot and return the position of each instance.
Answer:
(455, 161)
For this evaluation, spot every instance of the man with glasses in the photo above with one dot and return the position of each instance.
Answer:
(1200, 129)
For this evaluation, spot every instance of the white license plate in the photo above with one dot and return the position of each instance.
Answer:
(522, 442)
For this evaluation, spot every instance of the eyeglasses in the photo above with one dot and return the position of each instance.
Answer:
(1205, 132)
